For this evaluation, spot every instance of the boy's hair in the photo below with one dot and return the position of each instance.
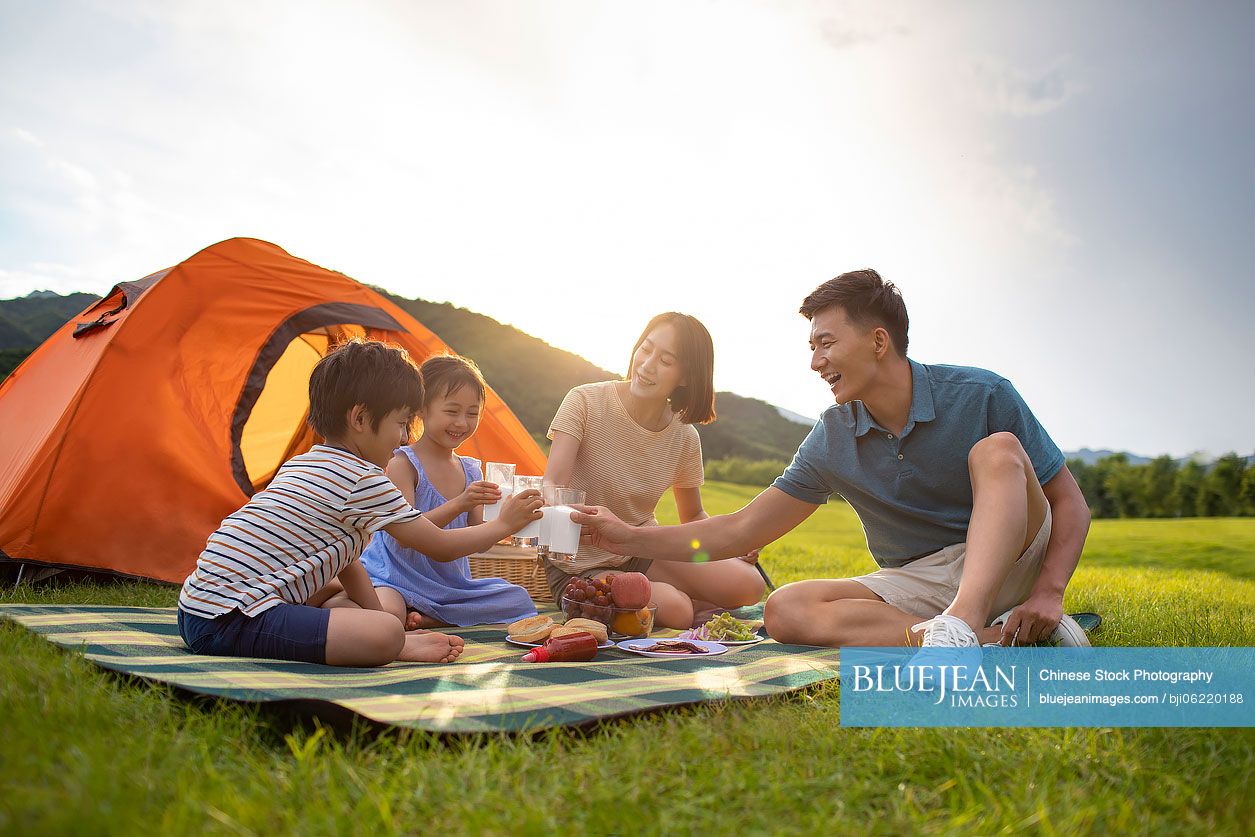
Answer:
(444, 375)
(379, 376)
(695, 401)
(867, 300)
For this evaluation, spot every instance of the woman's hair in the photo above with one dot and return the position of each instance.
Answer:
(444, 375)
(694, 402)
(377, 375)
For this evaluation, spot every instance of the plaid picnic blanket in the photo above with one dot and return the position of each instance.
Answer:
(487, 689)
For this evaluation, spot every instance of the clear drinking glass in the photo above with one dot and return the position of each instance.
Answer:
(502, 475)
(525, 483)
(528, 534)
(558, 534)
(570, 497)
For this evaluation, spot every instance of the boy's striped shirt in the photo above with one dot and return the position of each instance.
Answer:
(291, 539)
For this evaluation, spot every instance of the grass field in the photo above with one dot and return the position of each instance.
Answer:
(84, 751)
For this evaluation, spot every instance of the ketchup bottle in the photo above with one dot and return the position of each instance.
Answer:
(571, 648)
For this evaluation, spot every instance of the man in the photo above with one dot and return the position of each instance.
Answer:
(968, 507)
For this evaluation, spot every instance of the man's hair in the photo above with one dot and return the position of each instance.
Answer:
(379, 376)
(444, 375)
(694, 402)
(867, 300)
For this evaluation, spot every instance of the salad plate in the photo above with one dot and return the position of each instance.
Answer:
(726, 630)
(733, 642)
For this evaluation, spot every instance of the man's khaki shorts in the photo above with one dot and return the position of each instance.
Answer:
(928, 585)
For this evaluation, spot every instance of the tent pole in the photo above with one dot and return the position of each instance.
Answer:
(21, 568)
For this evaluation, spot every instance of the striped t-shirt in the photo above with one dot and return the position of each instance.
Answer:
(291, 539)
(621, 465)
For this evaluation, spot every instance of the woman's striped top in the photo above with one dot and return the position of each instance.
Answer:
(289, 540)
(621, 465)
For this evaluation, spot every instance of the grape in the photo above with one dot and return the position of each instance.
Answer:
(577, 595)
(601, 600)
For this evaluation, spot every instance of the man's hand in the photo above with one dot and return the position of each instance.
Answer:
(1034, 620)
(602, 529)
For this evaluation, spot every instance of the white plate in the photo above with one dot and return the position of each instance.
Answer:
(522, 644)
(712, 648)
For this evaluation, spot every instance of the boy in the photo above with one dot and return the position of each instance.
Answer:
(280, 578)
(968, 507)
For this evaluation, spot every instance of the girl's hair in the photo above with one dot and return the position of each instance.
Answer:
(694, 402)
(446, 374)
(377, 375)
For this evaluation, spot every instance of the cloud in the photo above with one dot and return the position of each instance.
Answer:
(1016, 196)
(27, 137)
(852, 29)
(1009, 90)
(14, 283)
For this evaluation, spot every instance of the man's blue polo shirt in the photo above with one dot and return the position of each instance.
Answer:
(912, 492)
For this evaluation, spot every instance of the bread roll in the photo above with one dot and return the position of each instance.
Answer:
(531, 629)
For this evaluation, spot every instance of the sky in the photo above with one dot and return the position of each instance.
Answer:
(1064, 192)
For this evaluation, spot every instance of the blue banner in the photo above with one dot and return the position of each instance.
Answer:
(1048, 687)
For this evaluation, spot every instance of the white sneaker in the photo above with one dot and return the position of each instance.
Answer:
(1068, 634)
(944, 631)
(950, 650)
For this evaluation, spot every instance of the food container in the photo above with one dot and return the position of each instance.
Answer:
(618, 620)
(634, 622)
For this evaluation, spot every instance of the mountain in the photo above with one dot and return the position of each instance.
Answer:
(1091, 457)
(795, 417)
(533, 377)
(529, 374)
(27, 321)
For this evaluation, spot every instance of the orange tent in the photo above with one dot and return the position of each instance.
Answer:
(133, 430)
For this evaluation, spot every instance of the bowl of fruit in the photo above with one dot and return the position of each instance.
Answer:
(621, 602)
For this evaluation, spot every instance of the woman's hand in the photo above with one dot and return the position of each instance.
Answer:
(602, 529)
(750, 557)
(522, 508)
(479, 493)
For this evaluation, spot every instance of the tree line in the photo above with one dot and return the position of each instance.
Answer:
(1163, 487)
(1113, 486)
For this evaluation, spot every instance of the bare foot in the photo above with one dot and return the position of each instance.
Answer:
(415, 620)
(430, 647)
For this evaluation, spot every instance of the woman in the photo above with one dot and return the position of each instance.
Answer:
(624, 443)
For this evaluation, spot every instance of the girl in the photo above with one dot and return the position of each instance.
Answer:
(449, 489)
(625, 443)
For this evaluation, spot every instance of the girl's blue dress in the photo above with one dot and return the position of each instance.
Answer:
(444, 591)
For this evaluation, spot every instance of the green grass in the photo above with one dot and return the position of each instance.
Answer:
(83, 750)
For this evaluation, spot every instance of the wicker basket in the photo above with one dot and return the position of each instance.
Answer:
(517, 565)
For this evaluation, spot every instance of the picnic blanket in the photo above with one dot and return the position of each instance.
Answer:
(486, 689)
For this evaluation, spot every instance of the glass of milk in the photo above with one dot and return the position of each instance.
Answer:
(527, 535)
(558, 534)
(502, 474)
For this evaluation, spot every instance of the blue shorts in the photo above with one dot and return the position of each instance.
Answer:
(283, 632)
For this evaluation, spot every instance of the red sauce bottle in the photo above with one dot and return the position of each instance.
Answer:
(571, 648)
